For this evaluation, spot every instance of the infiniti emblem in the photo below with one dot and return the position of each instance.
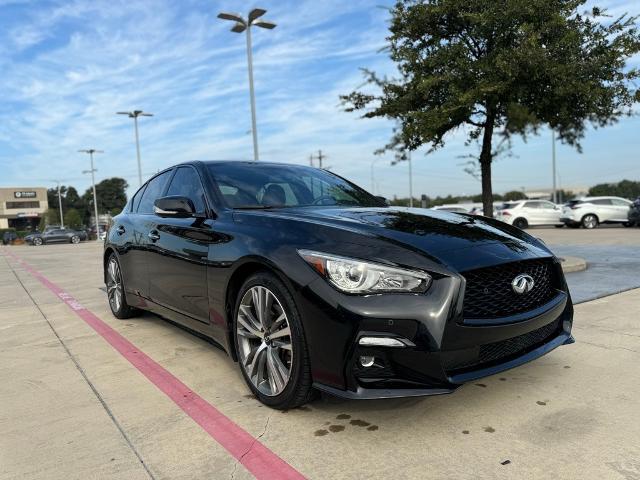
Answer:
(523, 283)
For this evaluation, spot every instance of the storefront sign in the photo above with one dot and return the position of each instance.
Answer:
(24, 194)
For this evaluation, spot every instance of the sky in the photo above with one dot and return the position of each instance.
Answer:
(68, 66)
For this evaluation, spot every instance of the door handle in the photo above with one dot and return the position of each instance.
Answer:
(120, 230)
(153, 235)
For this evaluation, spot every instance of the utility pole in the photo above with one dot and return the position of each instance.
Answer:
(320, 157)
(311, 160)
(91, 151)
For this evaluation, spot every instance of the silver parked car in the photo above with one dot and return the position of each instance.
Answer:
(589, 212)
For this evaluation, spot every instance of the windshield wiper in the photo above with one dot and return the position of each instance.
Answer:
(255, 207)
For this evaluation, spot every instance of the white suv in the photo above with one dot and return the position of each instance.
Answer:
(591, 211)
(524, 213)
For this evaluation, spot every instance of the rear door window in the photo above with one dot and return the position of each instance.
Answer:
(154, 190)
(602, 201)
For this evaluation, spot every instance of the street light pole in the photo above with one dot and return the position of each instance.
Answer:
(240, 26)
(399, 158)
(553, 164)
(135, 114)
(373, 178)
(91, 151)
(60, 205)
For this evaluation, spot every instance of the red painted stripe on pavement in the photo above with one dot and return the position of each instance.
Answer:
(260, 461)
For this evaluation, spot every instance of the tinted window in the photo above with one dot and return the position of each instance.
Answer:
(532, 205)
(510, 205)
(547, 205)
(135, 201)
(251, 185)
(186, 183)
(154, 190)
(603, 201)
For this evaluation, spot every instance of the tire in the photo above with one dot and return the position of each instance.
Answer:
(559, 226)
(75, 239)
(589, 221)
(520, 223)
(37, 241)
(627, 224)
(262, 357)
(115, 290)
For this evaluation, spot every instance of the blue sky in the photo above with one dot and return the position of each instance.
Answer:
(68, 66)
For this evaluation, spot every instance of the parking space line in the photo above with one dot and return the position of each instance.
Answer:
(246, 449)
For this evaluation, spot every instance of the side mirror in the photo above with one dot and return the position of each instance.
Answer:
(174, 206)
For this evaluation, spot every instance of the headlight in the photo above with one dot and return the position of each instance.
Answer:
(356, 276)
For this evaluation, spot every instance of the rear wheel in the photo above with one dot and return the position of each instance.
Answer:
(589, 221)
(520, 223)
(627, 224)
(559, 225)
(270, 343)
(75, 239)
(115, 290)
(37, 241)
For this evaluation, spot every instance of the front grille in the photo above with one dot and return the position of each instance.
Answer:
(496, 352)
(489, 293)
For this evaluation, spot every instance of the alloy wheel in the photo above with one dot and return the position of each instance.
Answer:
(265, 348)
(590, 221)
(114, 285)
(37, 241)
(75, 239)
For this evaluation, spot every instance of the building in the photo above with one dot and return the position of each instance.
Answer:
(22, 208)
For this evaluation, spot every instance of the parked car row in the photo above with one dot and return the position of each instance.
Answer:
(588, 212)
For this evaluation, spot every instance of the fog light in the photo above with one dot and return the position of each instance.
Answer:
(367, 360)
(371, 341)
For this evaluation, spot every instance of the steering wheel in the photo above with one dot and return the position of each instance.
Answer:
(322, 198)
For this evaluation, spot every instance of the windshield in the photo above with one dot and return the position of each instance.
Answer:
(251, 185)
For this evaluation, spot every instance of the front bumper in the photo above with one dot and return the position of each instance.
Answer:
(444, 352)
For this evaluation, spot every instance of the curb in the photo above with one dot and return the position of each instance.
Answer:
(573, 264)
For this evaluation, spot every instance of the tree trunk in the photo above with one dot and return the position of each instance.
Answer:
(485, 164)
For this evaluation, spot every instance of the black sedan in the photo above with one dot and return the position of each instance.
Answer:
(310, 282)
(57, 235)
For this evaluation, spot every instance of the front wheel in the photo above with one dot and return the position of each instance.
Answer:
(270, 343)
(75, 239)
(37, 241)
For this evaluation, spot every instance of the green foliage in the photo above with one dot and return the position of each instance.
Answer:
(111, 194)
(504, 67)
(514, 195)
(625, 189)
(72, 218)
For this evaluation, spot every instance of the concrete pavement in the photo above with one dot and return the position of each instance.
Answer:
(72, 407)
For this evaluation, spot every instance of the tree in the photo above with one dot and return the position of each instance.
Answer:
(72, 218)
(625, 188)
(501, 68)
(514, 195)
(111, 194)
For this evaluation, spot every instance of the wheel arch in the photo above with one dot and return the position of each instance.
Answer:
(105, 258)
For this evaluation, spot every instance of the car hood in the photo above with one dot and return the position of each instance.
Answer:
(477, 241)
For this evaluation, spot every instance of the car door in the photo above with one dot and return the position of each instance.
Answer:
(532, 212)
(54, 236)
(550, 213)
(178, 252)
(603, 208)
(621, 208)
(140, 223)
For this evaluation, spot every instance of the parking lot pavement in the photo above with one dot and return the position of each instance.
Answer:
(612, 254)
(86, 412)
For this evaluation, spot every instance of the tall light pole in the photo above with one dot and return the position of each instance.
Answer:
(553, 164)
(242, 25)
(135, 114)
(60, 204)
(91, 151)
(400, 157)
(373, 177)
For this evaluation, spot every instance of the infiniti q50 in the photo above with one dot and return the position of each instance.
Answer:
(311, 283)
